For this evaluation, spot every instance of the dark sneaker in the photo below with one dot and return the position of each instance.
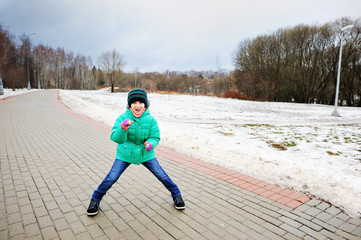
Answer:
(93, 208)
(179, 203)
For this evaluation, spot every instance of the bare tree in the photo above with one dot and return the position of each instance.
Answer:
(300, 64)
(111, 62)
(136, 73)
(7, 55)
(59, 68)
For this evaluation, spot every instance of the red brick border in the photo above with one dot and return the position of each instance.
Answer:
(273, 192)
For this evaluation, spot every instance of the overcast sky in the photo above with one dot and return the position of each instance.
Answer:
(155, 35)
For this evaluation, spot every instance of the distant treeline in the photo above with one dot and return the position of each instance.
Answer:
(300, 64)
(56, 68)
(295, 64)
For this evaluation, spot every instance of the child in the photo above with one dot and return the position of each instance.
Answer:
(137, 134)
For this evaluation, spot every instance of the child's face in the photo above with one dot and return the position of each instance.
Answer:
(137, 106)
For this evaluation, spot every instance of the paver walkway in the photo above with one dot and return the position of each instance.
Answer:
(51, 162)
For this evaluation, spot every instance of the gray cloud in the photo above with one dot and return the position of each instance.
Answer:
(162, 34)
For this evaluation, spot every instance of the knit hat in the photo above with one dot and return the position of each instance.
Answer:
(138, 94)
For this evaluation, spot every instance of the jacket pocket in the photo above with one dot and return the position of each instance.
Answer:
(125, 151)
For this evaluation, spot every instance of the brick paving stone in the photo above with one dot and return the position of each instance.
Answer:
(212, 236)
(147, 235)
(336, 222)
(324, 225)
(77, 227)
(15, 229)
(32, 230)
(311, 238)
(83, 236)
(14, 218)
(271, 235)
(256, 227)
(165, 236)
(28, 219)
(310, 224)
(237, 233)
(311, 232)
(274, 229)
(26, 209)
(347, 227)
(290, 222)
(290, 236)
(137, 226)
(292, 230)
(3, 235)
(61, 224)
(313, 211)
(14, 208)
(71, 217)
(323, 216)
(355, 221)
(303, 207)
(45, 221)
(302, 215)
(238, 225)
(323, 206)
(313, 202)
(255, 235)
(18, 237)
(192, 234)
(65, 208)
(330, 235)
(103, 222)
(155, 229)
(49, 232)
(236, 216)
(333, 210)
(218, 230)
(56, 214)
(95, 231)
(347, 235)
(131, 234)
(66, 234)
(40, 212)
(37, 203)
(52, 159)
(357, 231)
(343, 216)
(197, 227)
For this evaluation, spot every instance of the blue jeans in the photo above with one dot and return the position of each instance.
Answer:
(119, 167)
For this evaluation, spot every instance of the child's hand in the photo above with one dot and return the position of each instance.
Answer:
(148, 146)
(126, 123)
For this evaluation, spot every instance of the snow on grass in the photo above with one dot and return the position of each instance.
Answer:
(10, 92)
(297, 146)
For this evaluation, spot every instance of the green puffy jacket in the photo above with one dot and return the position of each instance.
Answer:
(131, 142)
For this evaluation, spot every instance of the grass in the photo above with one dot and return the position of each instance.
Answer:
(290, 144)
(226, 133)
(278, 132)
(333, 154)
(257, 125)
(278, 146)
(296, 138)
